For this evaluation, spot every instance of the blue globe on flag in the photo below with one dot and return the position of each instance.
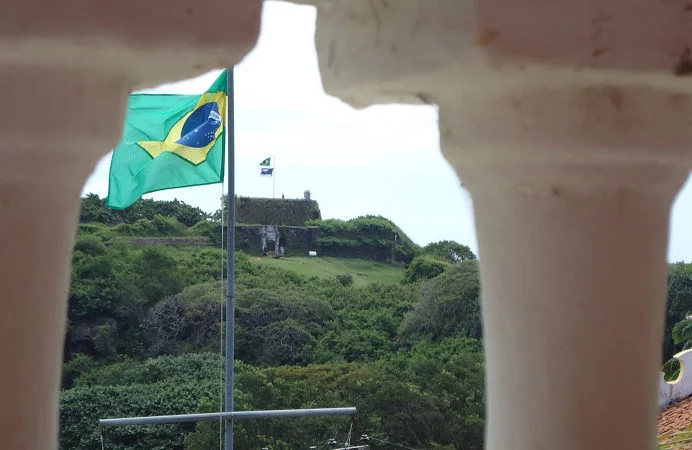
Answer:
(200, 128)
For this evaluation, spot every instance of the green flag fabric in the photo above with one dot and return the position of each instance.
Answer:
(266, 162)
(169, 141)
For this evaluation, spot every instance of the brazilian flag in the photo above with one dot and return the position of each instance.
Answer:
(169, 141)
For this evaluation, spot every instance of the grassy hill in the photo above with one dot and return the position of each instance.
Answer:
(363, 271)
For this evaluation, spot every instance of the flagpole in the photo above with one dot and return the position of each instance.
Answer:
(274, 177)
(230, 263)
(229, 412)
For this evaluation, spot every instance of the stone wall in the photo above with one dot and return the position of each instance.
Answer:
(248, 238)
(299, 238)
(291, 212)
(252, 239)
(261, 240)
(175, 241)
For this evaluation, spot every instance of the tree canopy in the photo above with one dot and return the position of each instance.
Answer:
(449, 251)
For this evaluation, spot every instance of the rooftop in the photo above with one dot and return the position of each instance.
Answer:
(676, 417)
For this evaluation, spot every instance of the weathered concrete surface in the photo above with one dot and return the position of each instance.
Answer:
(66, 69)
(145, 43)
(568, 122)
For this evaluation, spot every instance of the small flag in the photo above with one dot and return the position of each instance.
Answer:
(169, 141)
(267, 162)
(267, 172)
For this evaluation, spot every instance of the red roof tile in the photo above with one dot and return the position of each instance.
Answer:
(676, 417)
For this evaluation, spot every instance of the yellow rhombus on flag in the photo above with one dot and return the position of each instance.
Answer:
(169, 141)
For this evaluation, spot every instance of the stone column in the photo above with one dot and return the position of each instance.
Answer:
(66, 69)
(570, 124)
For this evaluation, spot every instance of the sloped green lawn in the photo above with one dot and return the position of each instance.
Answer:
(363, 271)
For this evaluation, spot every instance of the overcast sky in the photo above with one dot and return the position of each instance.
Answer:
(382, 160)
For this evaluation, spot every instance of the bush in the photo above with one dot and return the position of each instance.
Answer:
(106, 341)
(94, 210)
(81, 408)
(209, 230)
(449, 305)
(287, 342)
(371, 237)
(193, 367)
(159, 274)
(103, 232)
(158, 226)
(416, 396)
(168, 226)
(345, 280)
(78, 365)
(90, 245)
(424, 268)
(186, 322)
(270, 322)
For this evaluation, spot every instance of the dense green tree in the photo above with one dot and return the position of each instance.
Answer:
(449, 251)
(117, 286)
(274, 327)
(187, 322)
(373, 237)
(431, 394)
(75, 367)
(206, 434)
(449, 305)
(94, 210)
(682, 334)
(170, 386)
(101, 280)
(447, 404)
(678, 303)
(366, 322)
(90, 245)
(157, 274)
(424, 268)
(155, 227)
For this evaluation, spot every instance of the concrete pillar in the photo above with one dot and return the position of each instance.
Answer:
(66, 69)
(569, 123)
(573, 302)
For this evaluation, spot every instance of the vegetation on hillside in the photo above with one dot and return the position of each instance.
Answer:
(403, 345)
(144, 338)
(449, 251)
(94, 211)
(371, 237)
